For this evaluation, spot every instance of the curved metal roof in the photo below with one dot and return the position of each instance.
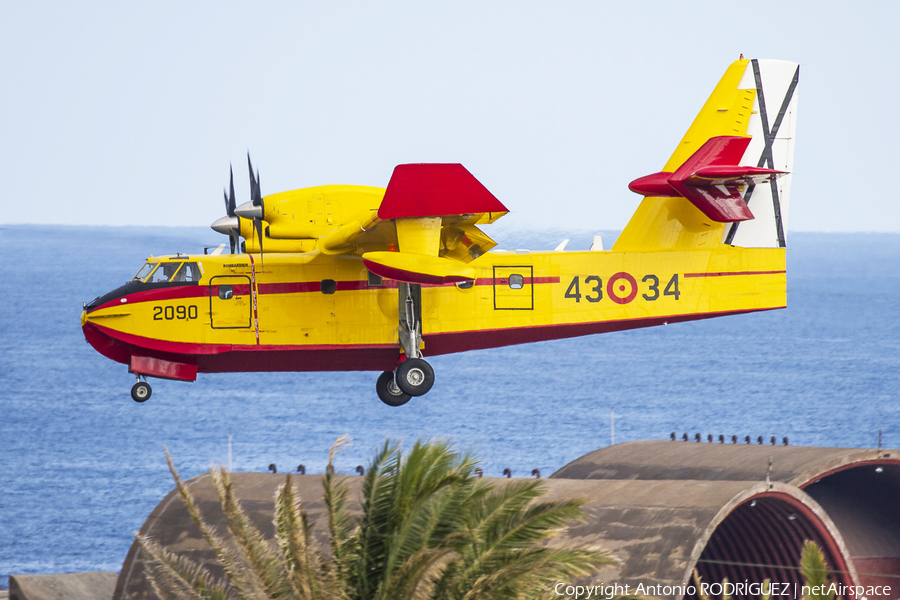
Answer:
(661, 509)
(703, 461)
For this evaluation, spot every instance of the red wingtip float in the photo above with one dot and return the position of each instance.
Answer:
(711, 179)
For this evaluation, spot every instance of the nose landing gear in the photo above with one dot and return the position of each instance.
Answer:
(140, 391)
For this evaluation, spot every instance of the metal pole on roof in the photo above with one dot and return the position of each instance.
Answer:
(612, 426)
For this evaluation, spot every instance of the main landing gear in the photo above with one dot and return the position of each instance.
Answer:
(413, 376)
(140, 391)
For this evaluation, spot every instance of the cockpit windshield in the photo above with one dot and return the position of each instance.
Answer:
(145, 271)
(169, 272)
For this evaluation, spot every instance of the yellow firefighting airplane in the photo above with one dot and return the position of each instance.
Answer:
(338, 277)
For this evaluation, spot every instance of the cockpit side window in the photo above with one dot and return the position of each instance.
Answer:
(166, 272)
(145, 271)
(190, 272)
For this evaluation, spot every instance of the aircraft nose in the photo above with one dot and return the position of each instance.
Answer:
(84, 317)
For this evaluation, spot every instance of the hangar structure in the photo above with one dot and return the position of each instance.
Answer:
(662, 508)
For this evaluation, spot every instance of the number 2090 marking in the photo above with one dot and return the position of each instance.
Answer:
(169, 313)
(622, 288)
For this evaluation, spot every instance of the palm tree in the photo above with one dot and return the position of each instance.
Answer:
(428, 529)
(814, 571)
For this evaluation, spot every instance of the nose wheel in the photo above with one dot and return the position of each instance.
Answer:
(140, 391)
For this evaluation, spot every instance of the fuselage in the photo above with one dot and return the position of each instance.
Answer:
(315, 312)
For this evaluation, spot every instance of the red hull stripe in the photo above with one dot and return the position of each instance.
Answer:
(293, 287)
(727, 273)
(219, 358)
(189, 348)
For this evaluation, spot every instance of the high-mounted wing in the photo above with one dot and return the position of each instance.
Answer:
(421, 229)
(434, 209)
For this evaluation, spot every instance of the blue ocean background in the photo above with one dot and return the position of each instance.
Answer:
(82, 465)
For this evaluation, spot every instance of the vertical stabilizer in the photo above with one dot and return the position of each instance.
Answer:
(704, 197)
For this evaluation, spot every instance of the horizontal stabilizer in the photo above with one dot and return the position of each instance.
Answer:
(417, 268)
(435, 190)
(711, 179)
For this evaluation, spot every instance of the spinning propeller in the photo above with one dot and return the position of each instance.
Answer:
(254, 210)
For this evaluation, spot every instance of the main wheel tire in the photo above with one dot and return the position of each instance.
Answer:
(415, 376)
(140, 392)
(388, 391)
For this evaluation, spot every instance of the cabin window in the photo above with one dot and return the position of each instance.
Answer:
(145, 271)
(465, 285)
(226, 292)
(516, 281)
(328, 286)
(375, 280)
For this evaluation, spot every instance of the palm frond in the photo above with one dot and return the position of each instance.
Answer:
(175, 577)
(378, 497)
(767, 590)
(291, 537)
(263, 567)
(814, 571)
(341, 526)
(698, 584)
(414, 579)
(431, 473)
(507, 557)
(231, 564)
(307, 572)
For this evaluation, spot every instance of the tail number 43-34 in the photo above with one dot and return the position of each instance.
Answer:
(621, 288)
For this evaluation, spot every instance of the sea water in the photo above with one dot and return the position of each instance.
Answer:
(82, 465)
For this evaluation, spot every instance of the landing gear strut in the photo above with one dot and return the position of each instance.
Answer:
(140, 391)
(414, 376)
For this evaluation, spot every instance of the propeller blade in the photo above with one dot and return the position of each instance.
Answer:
(255, 195)
(256, 199)
(231, 204)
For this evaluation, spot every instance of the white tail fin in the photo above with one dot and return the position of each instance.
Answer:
(773, 126)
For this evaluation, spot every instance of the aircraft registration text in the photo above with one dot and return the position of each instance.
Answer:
(621, 288)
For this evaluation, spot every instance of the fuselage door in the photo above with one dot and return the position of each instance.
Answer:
(513, 288)
(230, 302)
